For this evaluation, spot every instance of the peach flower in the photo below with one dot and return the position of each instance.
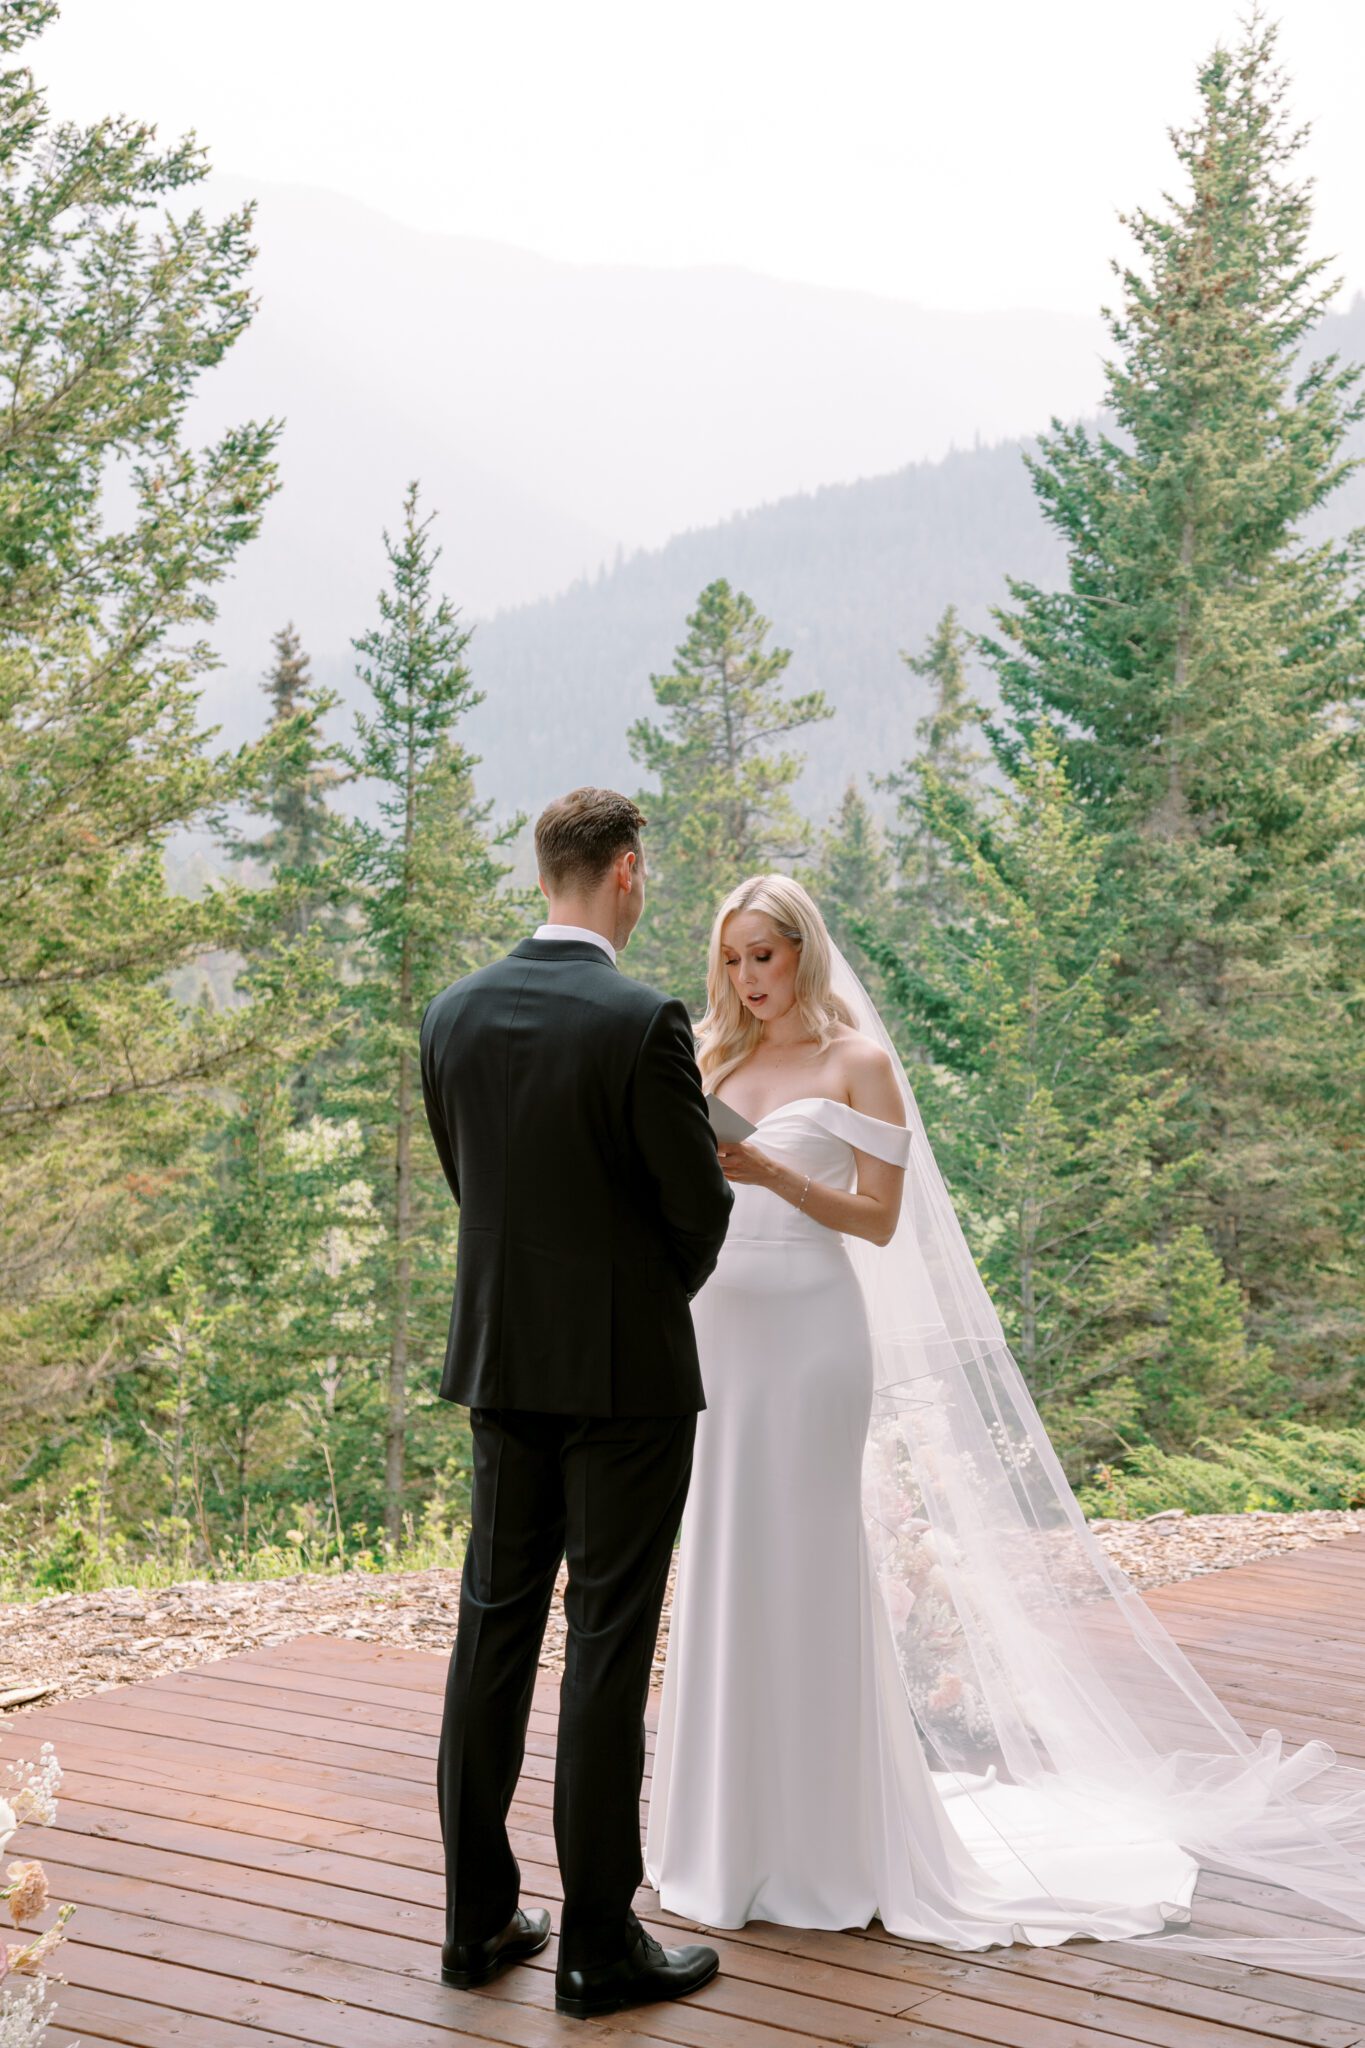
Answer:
(27, 1891)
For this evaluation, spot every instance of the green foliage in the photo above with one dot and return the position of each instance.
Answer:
(1206, 663)
(851, 879)
(114, 534)
(951, 753)
(723, 808)
(74, 1553)
(1188, 1358)
(426, 883)
(1047, 1117)
(1119, 930)
(1287, 1467)
(301, 840)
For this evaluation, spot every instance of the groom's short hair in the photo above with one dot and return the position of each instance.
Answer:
(578, 836)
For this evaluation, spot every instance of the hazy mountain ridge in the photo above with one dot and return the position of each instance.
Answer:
(557, 412)
(850, 575)
(560, 414)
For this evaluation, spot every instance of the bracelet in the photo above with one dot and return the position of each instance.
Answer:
(804, 1192)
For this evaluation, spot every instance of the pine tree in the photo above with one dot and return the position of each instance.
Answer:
(1048, 1119)
(723, 808)
(427, 885)
(302, 834)
(947, 750)
(1207, 663)
(301, 846)
(851, 879)
(113, 313)
(257, 1382)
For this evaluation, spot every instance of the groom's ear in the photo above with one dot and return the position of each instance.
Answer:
(540, 884)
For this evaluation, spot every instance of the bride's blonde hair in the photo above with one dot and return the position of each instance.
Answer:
(729, 1031)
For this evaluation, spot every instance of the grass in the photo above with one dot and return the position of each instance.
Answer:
(73, 1558)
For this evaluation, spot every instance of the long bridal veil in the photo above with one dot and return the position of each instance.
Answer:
(1045, 1691)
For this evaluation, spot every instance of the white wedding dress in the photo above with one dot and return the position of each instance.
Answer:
(790, 1780)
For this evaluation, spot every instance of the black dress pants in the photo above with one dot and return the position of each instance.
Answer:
(609, 1495)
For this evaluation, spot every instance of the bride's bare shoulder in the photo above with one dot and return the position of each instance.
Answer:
(869, 1075)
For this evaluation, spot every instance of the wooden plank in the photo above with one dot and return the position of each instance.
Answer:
(372, 1939)
(1110, 1970)
(253, 1850)
(255, 1730)
(382, 2006)
(179, 1763)
(104, 2016)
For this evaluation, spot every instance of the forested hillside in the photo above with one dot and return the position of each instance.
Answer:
(849, 575)
(1102, 859)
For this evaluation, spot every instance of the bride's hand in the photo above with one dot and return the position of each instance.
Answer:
(743, 1164)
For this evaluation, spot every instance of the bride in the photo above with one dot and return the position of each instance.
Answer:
(904, 1682)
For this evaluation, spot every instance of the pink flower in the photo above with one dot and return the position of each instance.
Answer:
(947, 1693)
(899, 1600)
(34, 1954)
(26, 1891)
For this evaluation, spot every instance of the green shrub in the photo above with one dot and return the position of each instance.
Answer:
(1282, 1466)
(73, 1553)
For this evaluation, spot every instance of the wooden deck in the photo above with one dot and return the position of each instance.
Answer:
(254, 1851)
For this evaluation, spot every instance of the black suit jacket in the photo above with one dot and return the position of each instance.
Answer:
(567, 1109)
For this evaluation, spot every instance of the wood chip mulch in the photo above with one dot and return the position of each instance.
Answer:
(69, 1644)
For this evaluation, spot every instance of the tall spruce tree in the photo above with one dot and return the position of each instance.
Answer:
(851, 879)
(723, 808)
(950, 749)
(1048, 1121)
(113, 312)
(301, 836)
(430, 908)
(1206, 662)
(302, 841)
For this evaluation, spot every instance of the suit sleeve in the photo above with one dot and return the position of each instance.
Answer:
(441, 1135)
(678, 1147)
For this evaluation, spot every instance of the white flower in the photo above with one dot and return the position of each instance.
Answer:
(24, 2012)
(30, 1790)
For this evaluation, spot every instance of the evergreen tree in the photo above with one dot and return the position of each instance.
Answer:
(113, 312)
(1206, 664)
(851, 879)
(947, 735)
(258, 1381)
(1048, 1120)
(301, 846)
(303, 831)
(427, 885)
(723, 808)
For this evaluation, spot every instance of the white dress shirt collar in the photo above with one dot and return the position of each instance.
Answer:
(575, 931)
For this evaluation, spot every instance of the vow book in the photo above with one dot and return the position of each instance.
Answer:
(729, 1126)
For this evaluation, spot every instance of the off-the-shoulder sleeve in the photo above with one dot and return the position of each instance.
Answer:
(890, 1142)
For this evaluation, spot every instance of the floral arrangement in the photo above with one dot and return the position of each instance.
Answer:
(28, 1793)
(919, 1575)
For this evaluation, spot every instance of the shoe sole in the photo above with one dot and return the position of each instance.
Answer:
(595, 2008)
(470, 1980)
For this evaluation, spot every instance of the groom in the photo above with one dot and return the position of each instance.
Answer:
(566, 1107)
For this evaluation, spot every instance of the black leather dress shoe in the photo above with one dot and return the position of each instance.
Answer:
(642, 1977)
(468, 1963)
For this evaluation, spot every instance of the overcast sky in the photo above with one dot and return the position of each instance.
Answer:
(967, 155)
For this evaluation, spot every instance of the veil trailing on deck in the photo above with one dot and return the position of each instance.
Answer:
(1041, 1683)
